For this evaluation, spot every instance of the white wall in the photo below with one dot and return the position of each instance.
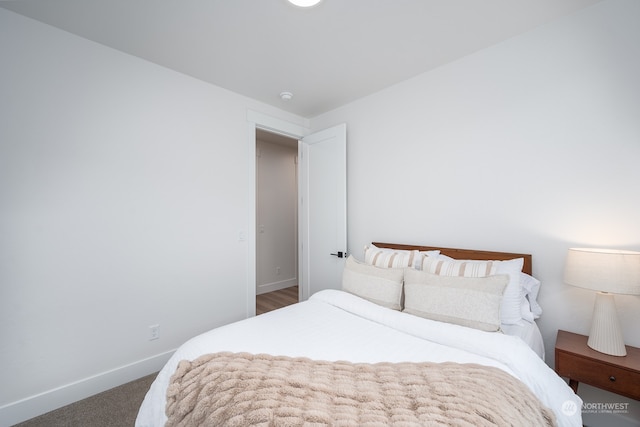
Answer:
(276, 216)
(123, 187)
(532, 146)
(123, 192)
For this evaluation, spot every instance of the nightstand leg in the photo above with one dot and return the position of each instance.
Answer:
(574, 385)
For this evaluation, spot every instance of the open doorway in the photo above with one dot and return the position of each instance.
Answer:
(276, 221)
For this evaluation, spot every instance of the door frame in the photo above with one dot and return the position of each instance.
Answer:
(283, 127)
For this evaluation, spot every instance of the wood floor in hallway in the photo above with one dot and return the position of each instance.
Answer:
(276, 299)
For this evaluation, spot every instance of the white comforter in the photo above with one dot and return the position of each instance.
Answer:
(334, 325)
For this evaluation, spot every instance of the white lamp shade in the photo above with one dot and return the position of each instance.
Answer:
(604, 270)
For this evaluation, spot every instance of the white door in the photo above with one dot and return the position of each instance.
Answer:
(323, 209)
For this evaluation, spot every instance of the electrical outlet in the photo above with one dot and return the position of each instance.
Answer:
(277, 271)
(154, 332)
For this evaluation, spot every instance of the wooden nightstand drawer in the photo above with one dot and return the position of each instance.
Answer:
(597, 374)
(581, 364)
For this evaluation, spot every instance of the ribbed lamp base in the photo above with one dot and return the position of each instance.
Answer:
(606, 335)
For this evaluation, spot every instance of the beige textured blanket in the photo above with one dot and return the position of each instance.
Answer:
(241, 390)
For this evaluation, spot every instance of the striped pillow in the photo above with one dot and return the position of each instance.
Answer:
(510, 309)
(395, 258)
(463, 268)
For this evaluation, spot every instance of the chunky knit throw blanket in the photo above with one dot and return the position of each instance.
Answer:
(242, 390)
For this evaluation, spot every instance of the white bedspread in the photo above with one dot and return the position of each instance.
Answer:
(334, 325)
(527, 332)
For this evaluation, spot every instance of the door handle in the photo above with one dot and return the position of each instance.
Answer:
(339, 254)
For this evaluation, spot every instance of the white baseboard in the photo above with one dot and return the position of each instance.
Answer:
(24, 409)
(276, 286)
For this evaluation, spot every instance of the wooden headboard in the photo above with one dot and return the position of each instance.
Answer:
(464, 253)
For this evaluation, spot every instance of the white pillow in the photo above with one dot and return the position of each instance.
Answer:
(428, 254)
(511, 307)
(382, 286)
(530, 309)
(392, 258)
(467, 301)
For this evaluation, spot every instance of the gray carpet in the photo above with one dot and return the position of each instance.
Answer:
(117, 407)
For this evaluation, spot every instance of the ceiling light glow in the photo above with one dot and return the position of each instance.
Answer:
(304, 3)
(286, 96)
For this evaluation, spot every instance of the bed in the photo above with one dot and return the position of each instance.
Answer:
(400, 356)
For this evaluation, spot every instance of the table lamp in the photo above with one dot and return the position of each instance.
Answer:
(609, 272)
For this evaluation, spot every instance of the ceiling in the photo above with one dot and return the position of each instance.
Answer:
(327, 56)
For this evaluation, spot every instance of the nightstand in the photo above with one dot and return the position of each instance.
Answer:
(580, 363)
